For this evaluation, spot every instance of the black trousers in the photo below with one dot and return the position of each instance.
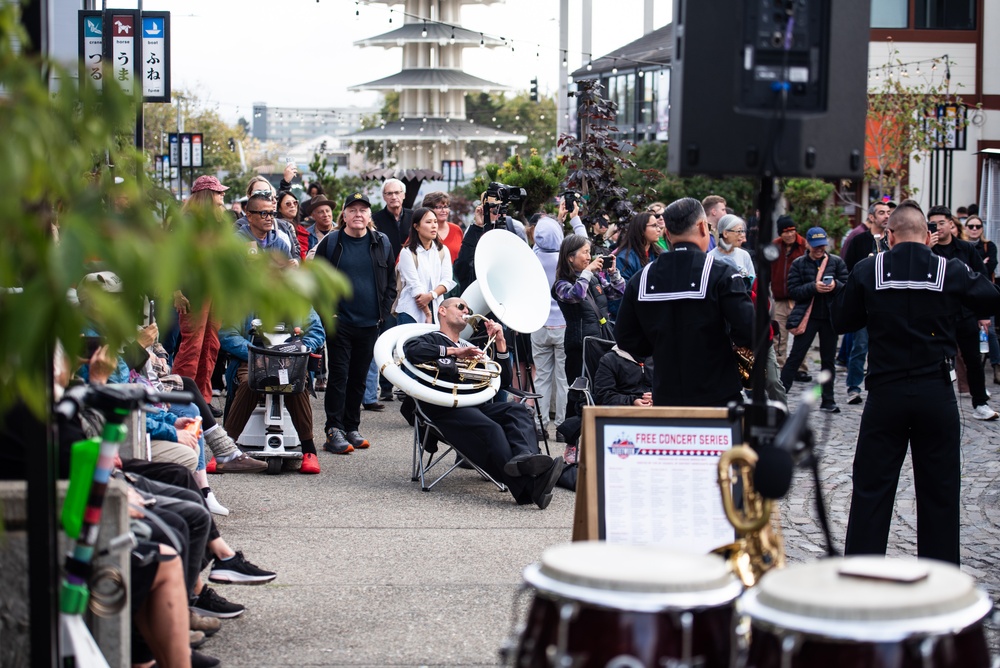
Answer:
(922, 413)
(190, 508)
(174, 475)
(967, 338)
(350, 350)
(827, 355)
(490, 435)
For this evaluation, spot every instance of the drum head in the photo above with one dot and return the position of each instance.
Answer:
(634, 568)
(818, 597)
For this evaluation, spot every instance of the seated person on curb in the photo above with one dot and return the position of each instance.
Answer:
(498, 437)
(245, 400)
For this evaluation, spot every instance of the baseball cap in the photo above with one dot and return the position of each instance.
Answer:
(357, 197)
(208, 183)
(816, 236)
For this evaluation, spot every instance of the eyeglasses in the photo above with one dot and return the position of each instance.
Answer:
(657, 215)
(262, 193)
(740, 232)
(263, 214)
(973, 227)
(655, 225)
(289, 202)
(462, 307)
(392, 193)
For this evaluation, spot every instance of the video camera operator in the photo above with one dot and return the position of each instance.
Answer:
(491, 214)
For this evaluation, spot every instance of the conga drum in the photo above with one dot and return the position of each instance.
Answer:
(867, 612)
(597, 604)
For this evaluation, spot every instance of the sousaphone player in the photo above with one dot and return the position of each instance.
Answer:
(498, 437)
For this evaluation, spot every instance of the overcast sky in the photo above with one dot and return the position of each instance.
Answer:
(301, 53)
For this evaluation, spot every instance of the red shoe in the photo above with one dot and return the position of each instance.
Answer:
(310, 463)
(210, 466)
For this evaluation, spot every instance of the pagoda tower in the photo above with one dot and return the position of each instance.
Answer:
(432, 129)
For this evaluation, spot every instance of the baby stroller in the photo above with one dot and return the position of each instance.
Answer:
(278, 365)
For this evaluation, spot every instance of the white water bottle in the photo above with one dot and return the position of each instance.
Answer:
(984, 344)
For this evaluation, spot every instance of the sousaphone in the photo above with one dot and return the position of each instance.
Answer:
(511, 284)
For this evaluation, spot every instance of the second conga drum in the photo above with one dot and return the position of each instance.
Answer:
(628, 606)
(867, 612)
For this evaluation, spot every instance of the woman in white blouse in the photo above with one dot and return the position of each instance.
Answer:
(424, 270)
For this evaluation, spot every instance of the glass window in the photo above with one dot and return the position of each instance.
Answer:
(945, 14)
(889, 13)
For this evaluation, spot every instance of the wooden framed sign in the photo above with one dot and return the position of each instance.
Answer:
(649, 476)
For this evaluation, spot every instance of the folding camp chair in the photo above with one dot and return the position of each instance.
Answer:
(427, 440)
(594, 349)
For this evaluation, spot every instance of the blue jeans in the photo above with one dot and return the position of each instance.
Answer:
(856, 360)
(191, 411)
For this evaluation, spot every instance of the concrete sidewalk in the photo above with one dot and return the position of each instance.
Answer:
(373, 571)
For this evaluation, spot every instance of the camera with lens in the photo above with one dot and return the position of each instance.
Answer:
(505, 194)
(571, 201)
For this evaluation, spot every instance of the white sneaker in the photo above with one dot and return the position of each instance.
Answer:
(214, 505)
(984, 412)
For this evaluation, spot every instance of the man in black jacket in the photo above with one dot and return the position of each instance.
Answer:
(969, 324)
(497, 437)
(622, 380)
(364, 255)
(813, 282)
(687, 312)
(486, 217)
(910, 299)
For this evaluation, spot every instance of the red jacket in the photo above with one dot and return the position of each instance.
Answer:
(780, 267)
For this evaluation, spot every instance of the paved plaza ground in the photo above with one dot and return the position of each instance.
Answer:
(374, 572)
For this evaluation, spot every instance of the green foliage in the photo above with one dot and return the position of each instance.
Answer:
(901, 122)
(539, 177)
(740, 192)
(810, 204)
(518, 115)
(55, 160)
(160, 119)
(336, 188)
(598, 166)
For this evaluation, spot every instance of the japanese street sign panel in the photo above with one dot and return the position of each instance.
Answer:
(196, 150)
(166, 166)
(175, 149)
(185, 149)
(122, 54)
(90, 46)
(155, 66)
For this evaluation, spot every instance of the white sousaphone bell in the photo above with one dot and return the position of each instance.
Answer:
(511, 283)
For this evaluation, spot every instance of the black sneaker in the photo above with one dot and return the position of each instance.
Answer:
(541, 492)
(199, 660)
(802, 377)
(210, 604)
(337, 443)
(386, 396)
(829, 408)
(238, 570)
(357, 440)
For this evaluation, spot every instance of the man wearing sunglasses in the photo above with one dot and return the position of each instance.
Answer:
(259, 226)
(498, 437)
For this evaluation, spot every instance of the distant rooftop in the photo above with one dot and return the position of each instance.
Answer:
(426, 78)
(651, 51)
(435, 129)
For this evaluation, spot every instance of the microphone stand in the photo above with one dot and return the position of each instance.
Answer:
(812, 461)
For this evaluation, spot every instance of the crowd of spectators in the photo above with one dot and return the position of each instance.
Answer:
(404, 265)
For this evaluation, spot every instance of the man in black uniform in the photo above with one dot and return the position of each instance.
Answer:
(947, 245)
(687, 312)
(910, 299)
(497, 437)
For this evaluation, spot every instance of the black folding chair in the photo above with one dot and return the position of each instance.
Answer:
(594, 348)
(427, 441)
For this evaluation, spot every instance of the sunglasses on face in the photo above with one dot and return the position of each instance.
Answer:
(263, 214)
(462, 307)
(973, 227)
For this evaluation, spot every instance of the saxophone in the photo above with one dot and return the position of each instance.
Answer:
(758, 546)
